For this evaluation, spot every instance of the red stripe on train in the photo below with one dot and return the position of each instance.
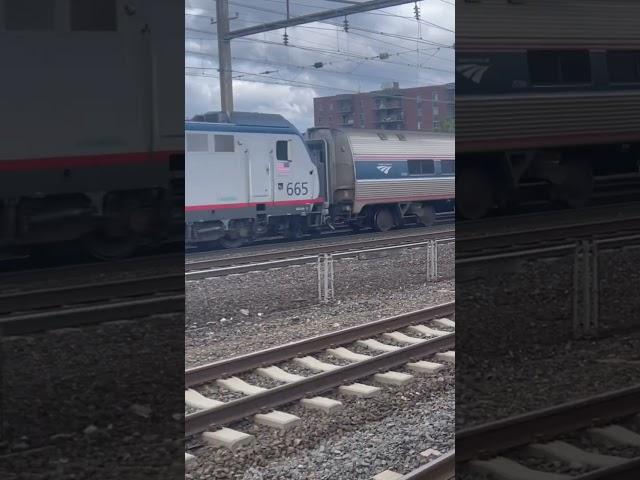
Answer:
(228, 206)
(49, 163)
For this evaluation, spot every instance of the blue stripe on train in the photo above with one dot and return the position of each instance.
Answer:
(379, 169)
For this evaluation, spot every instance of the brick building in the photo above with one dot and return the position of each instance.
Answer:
(391, 108)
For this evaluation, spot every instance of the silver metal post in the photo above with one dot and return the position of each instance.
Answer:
(224, 57)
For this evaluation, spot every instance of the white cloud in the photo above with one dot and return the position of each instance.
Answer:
(340, 74)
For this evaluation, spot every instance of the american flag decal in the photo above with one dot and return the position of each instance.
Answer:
(283, 168)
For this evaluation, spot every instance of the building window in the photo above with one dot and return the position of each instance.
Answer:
(282, 150)
(436, 110)
(224, 143)
(320, 106)
(434, 96)
(419, 100)
(29, 15)
(419, 125)
(556, 67)
(421, 167)
(624, 66)
(97, 15)
(447, 167)
(331, 106)
(362, 120)
(419, 112)
(436, 125)
(197, 142)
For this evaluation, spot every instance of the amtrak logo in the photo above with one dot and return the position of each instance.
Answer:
(472, 71)
(384, 168)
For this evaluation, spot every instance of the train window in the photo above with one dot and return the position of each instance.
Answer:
(197, 142)
(29, 14)
(551, 67)
(421, 167)
(97, 15)
(447, 166)
(224, 143)
(624, 66)
(282, 150)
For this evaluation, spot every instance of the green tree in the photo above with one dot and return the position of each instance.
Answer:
(447, 126)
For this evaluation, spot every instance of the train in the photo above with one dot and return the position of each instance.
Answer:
(544, 104)
(92, 127)
(253, 175)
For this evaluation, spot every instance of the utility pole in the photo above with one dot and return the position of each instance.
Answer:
(224, 57)
(225, 35)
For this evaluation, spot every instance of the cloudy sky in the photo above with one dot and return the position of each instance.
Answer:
(272, 78)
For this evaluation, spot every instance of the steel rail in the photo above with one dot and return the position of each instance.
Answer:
(501, 435)
(626, 471)
(222, 368)
(315, 384)
(28, 300)
(313, 250)
(90, 314)
(468, 245)
(442, 468)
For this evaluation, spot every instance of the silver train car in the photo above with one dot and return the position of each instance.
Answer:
(547, 97)
(382, 178)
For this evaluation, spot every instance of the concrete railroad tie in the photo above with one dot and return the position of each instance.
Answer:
(388, 475)
(566, 452)
(393, 378)
(228, 438)
(425, 367)
(196, 400)
(449, 356)
(445, 322)
(237, 385)
(377, 346)
(402, 338)
(279, 375)
(505, 469)
(617, 434)
(359, 390)
(429, 332)
(315, 365)
(277, 419)
(346, 354)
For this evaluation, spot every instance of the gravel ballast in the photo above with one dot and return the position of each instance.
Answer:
(231, 315)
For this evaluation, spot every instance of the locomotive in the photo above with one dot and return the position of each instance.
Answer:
(93, 85)
(255, 175)
(544, 105)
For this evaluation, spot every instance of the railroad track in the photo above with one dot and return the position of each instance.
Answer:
(212, 267)
(323, 364)
(442, 468)
(587, 439)
(27, 311)
(516, 234)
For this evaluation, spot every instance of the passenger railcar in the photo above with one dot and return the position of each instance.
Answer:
(548, 93)
(383, 178)
(247, 177)
(95, 85)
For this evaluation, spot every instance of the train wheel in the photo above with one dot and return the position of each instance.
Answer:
(383, 220)
(577, 187)
(227, 242)
(474, 193)
(104, 247)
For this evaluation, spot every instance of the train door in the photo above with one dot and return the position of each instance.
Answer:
(260, 174)
(318, 150)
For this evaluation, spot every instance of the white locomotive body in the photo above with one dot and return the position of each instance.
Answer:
(249, 177)
(92, 85)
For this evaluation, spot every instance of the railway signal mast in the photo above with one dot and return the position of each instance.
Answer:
(225, 34)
